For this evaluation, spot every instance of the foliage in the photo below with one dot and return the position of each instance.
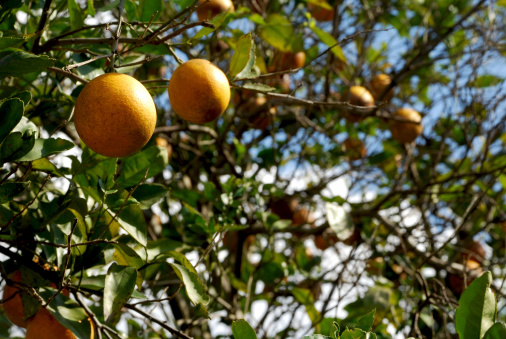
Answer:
(263, 214)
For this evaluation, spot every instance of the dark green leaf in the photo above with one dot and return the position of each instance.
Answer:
(18, 63)
(46, 147)
(477, 309)
(242, 330)
(11, 42)
(149, 8)
(155, 158)
(10, 190)
(119, 285)
(91, 8)
(16, 145)
(69, 313)
(497, 331)
(11, 111)
(149, 194)
(131, 218)
(365, 323)
(76, 15)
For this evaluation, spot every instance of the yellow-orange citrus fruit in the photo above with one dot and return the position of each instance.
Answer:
(208, 10)
(115, 115)
(320, 13)
(45, 326)
(199, 91)
(13, 307)
(358, 96)
(406, 132)
(379, 84)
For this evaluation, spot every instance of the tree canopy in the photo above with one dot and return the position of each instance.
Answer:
(356, 181)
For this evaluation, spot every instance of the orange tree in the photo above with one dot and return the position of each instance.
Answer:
(357, 176)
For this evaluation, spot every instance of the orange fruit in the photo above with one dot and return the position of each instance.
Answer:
(45, 326)
(320, 13)
(13, 307)
(208, 10)
(303, 216)
(379, 84)
(288, 60)
(199, 91)
(406, 132)
(115, 115)
(354, 148)
(263, 115)
(358, 96)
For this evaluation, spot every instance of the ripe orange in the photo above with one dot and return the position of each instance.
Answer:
(358, 96)
(378, 86)
(199, 91)
(406, 132)
(320, 13)
(13, 307)
(209, 10)
(45, 326)
(115, 115)
(287, 60)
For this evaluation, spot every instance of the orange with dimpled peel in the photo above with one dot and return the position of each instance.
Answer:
(115, 115)
(199, 91)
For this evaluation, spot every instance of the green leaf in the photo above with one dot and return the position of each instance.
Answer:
(76, 15)
(149, 194)
(11, 111)
(182, 259)
(131, 218)
(243, 59)
(356, 334)
(10, 190)
(328, 40)
(316, 336)
(16, 145)
(18, 63)
(150, 7)
(278, 32)
(497, 331)
(126, 256)
(477, 309)
(304, 296)
(217, 21)
(68, 312)
(365, 323)
(155, 158)
(242, 330)
(258, 87)
(91, 8)
(11, 42)
(46, 147)
(119, 285)
(487, 80)
(194, 287)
